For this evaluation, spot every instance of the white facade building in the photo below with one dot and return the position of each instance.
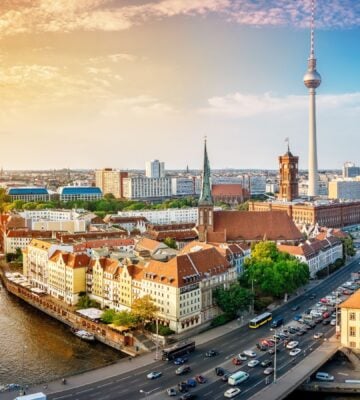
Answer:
(143, 188)
(163, 217)
(185, 186)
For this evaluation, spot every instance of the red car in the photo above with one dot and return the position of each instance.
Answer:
(324, 301)
(236, 361)
(326, 314)
(200, 379)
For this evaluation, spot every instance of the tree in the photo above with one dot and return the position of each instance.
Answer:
(233, 299)
(144, 308)
(108, 316)
(273, 272)
(348, 246)
(170, 242)
(126, 318)
(243, 206)
(86, 302)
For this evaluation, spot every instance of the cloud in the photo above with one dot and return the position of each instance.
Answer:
(142, 105)
(239, 105)
(24, 16)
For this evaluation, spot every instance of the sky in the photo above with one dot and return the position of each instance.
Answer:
(114, 83)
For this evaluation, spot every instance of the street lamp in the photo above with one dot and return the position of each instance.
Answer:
(146, 394)
(157, 339)
(275, 358)
(253, 296)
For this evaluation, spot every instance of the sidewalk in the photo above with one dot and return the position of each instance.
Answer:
(124, 365)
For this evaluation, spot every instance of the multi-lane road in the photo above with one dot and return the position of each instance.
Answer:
(134, 385)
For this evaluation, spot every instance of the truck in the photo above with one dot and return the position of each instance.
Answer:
(33, 396)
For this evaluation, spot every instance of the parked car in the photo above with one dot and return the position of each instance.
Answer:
(242, 357)
(318, 335)
(261, 347)
(171, 392)
(253, 363)
(272, 351)
(294, 352)
(182, 386)
(230, 393)
(184, 369)
(297, 317)
(326, 322)
(211, 353)
(326, 314)
(333, 322)
(200, 379)
(154, 375)
(250, 353)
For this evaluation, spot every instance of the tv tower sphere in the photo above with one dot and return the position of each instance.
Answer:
(312, 79)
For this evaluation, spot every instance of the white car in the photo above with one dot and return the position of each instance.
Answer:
(253, 363)
(318, 335)
(250, 353)
(242, 357)
(333, 322)
(291, 345)
(230, 393)
(295, 352)
(154, 375)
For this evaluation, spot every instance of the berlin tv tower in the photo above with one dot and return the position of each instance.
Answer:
(312, 80)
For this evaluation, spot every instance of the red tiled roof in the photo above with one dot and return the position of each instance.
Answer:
(70, 259)
(227, 190)
(147, 244)
(353, 301)
(252, 225)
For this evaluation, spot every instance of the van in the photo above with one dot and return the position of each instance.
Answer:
(324, 376)
(277, 322)
(237, 378)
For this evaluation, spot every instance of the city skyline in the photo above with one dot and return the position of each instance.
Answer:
(108, 83)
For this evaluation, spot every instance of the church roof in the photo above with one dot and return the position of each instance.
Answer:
(253, 225)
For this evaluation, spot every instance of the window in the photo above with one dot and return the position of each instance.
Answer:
(352, 316)
(352, 331)
(352, 344)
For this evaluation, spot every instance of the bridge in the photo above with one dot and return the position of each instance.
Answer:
(301, 371)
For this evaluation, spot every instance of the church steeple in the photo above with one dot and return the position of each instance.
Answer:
(205, 196)
(206, 205)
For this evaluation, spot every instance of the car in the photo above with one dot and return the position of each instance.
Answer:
(211, 353)
(295, 308)
(297, 317)
(266, 363)
(318, 335)
(225, 377)
(236, 361)
(292, 331)
(324, 300)
(242, 357)
(191, 382)
(182, 386)
(324, 376)
(200, 379)
(312, 324)
(154, 375)
(318, 320)
(272, 351)
(188, 396)
(326, 322)
(294, 352)
(253, 363)
(250, 353)
(184, 369)
(300, 332)
(326, 314)
(219, 371)
(230, 393)
(312, 296)
(268, 342)
(268, 371)
(261, 347)
(283, 335)
(292, 345)
(277, 338)
(333, 322)
(171, 392)
(180, 360)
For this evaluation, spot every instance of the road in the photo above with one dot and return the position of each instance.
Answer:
(128, 385)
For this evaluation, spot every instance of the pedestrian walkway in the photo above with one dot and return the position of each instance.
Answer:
(125, 365)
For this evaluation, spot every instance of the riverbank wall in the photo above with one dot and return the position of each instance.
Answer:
(125, 343)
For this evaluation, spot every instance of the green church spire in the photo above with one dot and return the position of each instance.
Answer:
(205, 196)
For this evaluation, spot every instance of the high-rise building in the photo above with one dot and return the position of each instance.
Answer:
(111, 181)
(155, 169)
(344, 189)
(350, 171)
(140, 188)
(312, 80)
(289, 186)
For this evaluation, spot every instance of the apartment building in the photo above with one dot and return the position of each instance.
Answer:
(111, 181)
(350, 322)
(165, 217)
(142, 188)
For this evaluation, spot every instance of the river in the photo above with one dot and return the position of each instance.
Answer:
(35, 348)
